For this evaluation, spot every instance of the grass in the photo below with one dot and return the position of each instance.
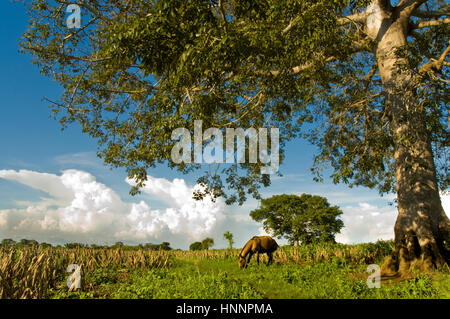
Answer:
(222, 279)
(313, 271)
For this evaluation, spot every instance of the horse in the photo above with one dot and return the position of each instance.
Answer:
(258, 245)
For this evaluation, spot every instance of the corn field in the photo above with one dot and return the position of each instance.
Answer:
(34, 271)
(306, 254)
(30, 272)
(355, 254)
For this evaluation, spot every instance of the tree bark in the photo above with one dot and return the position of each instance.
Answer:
(422, 225)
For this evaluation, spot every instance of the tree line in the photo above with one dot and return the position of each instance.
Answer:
(8, 242)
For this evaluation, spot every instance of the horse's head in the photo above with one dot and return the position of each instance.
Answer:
(241, 261)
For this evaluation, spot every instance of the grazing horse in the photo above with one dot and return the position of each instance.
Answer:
(258, 245)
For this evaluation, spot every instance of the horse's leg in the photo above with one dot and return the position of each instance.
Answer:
(249, 256)
(257, 257)
(270, 259)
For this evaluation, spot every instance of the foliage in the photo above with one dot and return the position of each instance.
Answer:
(196, 246)
(304, 218)
(8, 242)
(103, 276)
(137, 70)
(207, 243)
(204, 244)
(229, 237)
(164, 246)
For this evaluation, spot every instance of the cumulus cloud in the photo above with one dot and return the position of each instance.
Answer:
(88, 209)
(367, 223)
(79, 208)
(185, 215)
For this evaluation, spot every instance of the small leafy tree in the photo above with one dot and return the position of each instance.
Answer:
(207, 243)
(165, 246)
(196, 246)
(118, 244)
(304, 218)
(28, 242)
(229, 236)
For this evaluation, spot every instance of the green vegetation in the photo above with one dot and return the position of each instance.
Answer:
(229, 237)
(306, 218)
(204, 244)
(321, 270)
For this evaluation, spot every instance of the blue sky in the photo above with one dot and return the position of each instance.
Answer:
(38, 162)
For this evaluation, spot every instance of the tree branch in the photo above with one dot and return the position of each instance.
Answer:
(303, 67)
(435, 65)
(426, 24)
(295, 20)
(224, 17)
(360, 17)
(408, 7)
(436, 14)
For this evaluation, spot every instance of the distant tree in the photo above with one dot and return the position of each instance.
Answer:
(118, 244)
(45, 245)
(28, 242)
(75, 245)
(165, 246)
(207, 243)
(229, 236)
(304, 218)
(196, 246)
(8, 242)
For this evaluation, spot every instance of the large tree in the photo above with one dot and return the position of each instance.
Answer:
(371, 75)
(306, 218)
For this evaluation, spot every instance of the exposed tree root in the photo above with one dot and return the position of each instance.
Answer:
(411, 254)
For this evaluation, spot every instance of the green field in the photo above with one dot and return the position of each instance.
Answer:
(312, 271)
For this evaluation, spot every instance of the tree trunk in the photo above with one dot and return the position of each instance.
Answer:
(422, 225)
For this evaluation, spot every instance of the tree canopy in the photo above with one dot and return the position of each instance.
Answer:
(196, 246)
(207, 243)
(137, 70)
(304, 218)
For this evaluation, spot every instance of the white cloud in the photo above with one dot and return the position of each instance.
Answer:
(367, 223)
(48, 183)
(79, 208)
(262, 232)
(85, 159)
(185, 215)
(88, 209)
